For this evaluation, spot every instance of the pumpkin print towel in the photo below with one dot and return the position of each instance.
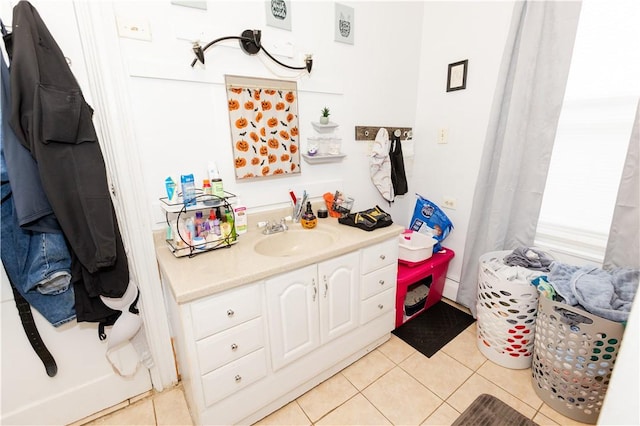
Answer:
(380, 165)
(264, 129)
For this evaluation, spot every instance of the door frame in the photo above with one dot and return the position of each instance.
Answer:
(108, 85)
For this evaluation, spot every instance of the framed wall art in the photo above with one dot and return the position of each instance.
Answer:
(263, 117)
(457, 76)
(344, 24)
(278, 14)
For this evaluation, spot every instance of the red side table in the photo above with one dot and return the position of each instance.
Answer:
(432, 272)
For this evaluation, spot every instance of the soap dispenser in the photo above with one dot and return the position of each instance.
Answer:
(308, 219)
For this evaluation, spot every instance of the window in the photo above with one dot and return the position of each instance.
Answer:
(594, 130)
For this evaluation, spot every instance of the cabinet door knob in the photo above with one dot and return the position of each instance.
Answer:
(238, 378)
(380, 306)
(383, 257)
(326, 286)
(381, 282)
(230, 313)
(234, 346)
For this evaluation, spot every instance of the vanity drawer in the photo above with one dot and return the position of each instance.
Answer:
(229, 345)
(377, 305)
(234, 376)
(225, 310)
(378, 281)
(379, 255)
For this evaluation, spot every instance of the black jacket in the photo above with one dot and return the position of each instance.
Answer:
(53, 121)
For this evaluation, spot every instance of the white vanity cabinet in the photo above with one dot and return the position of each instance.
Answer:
(311, 306)
(247, 351)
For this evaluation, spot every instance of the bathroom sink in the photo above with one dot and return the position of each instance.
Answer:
(293, 242)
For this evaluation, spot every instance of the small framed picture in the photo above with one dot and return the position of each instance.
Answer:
(278, 13)
(344, 21)
(457, 76)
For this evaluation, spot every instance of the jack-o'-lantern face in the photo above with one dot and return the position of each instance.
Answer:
(241, 123)
(294, 131)
(264, 151)
(278, 172)
(284, 157)
(236, 90)
(265, 170)
(272, 158)
(233, 104)
(266, 105)
(293, 148)
(273, 143)
(249, 105)
(290, 97)
(280, 106)
(240, 162)
(254, 136)
(284, 135)
(272, 122)
(242, 145)
(290, 117)
(255, 161)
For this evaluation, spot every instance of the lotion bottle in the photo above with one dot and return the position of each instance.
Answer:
(240, 212)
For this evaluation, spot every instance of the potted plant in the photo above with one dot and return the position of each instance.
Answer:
(324, 118)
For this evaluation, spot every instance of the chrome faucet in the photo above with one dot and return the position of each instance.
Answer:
(274, 228)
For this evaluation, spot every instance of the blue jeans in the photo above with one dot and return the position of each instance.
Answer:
(38, 264)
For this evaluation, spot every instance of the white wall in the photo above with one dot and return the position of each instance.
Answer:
(369, 83)
(454, 31)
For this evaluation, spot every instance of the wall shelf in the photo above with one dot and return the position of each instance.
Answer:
(318, 158)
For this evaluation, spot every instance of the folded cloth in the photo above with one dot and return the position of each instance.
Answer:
(529, 258)
(607, 294)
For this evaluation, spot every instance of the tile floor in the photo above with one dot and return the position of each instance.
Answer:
(392, 385)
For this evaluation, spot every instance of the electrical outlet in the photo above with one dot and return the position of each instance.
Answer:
(449, 203)
(443, 135)
(137, 29)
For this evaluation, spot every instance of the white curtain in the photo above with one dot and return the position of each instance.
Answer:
(622, 246)
(520, 136)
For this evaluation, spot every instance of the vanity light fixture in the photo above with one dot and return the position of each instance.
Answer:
(250, 44)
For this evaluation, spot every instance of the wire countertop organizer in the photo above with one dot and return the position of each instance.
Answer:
(181, 246)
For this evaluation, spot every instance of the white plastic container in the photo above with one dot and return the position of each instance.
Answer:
(415, 247)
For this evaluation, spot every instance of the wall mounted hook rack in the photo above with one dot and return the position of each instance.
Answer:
(368, 133)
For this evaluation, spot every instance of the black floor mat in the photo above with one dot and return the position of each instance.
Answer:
(487, 410)
(432, 329)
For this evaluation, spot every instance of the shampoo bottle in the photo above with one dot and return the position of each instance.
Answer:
(240, 212)
(231, 222)
(216, 183)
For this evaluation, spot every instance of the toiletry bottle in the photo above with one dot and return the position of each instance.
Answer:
(180, 236)
(231, 222)
(308, 219)
(207, 193)
(188, 190)
(225, 228)
(191, 230)
(216, 223)
(210, 221)
(216, 182)
(240, 212)
(197, 222)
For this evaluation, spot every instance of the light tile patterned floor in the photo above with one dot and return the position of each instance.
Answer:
(392, 385)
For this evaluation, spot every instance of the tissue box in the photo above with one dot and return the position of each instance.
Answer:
(415, 247)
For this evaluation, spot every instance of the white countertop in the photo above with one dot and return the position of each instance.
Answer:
(191, 278)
